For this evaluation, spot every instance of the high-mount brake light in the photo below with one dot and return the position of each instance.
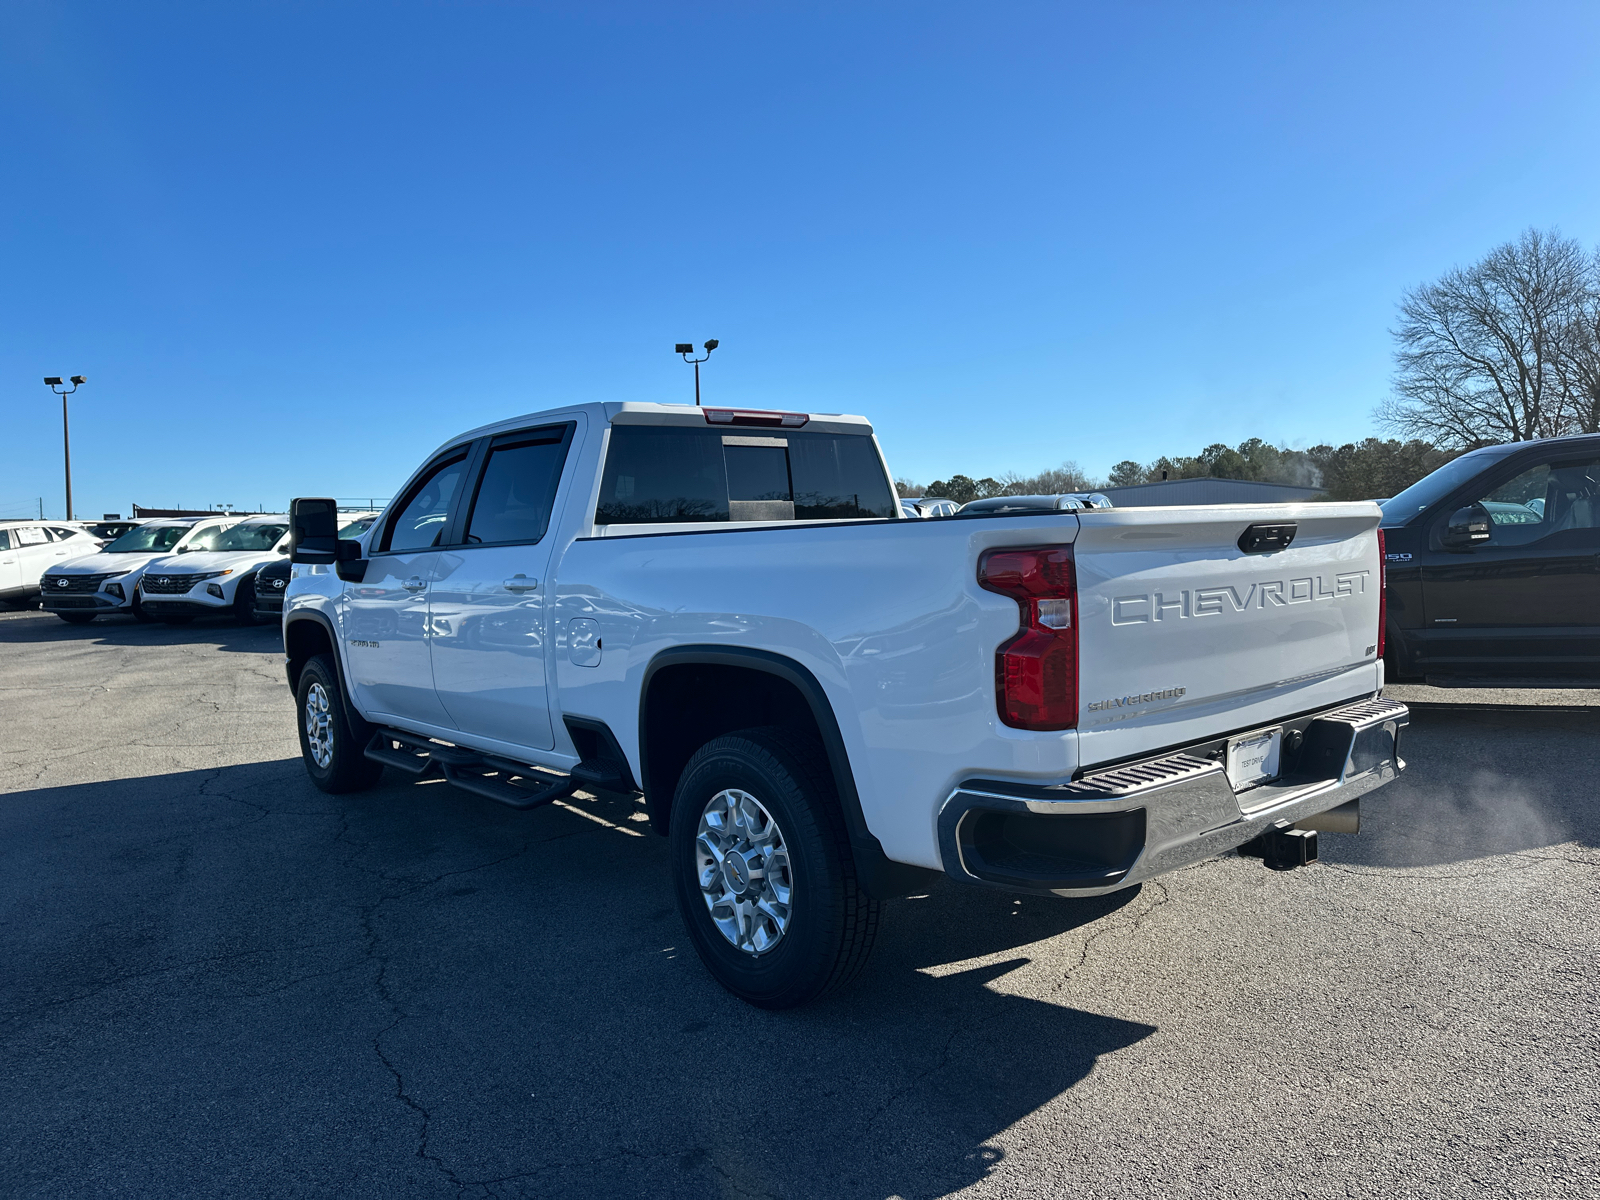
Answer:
(1036, 672)
(1383, 593)
(754, 416)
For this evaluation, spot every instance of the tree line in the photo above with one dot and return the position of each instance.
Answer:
(1371, 469)
(1504, 350)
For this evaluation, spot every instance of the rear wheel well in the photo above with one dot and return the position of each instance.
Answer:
(688, 704)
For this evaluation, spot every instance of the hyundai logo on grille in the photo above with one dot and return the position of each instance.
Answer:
(63, 583)
(277, 583)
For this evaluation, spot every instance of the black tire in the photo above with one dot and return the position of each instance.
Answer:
(76, 618)
(832, 921)
(347, 768)
(139, 613)
(244, 601)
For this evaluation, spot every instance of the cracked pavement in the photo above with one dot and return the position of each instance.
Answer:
(218, 980)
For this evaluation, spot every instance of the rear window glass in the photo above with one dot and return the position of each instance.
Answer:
(660, 474)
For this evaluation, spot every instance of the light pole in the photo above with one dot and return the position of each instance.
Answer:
(53, 382)
(686, 349)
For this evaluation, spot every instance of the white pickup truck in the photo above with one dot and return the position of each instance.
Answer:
(822, 701)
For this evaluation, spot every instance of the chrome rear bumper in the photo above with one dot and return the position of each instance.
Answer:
(1117, 827)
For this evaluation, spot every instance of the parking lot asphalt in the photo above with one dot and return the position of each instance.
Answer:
(217, 980)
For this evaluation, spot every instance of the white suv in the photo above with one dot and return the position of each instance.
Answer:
(104, 583)
(29, 548)
(217, 580)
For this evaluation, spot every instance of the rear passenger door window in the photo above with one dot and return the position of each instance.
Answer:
(518, 487)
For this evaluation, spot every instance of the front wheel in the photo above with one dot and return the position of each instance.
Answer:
(762, 868)
(332, 751)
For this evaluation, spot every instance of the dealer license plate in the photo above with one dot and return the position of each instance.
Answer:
(1253, 758)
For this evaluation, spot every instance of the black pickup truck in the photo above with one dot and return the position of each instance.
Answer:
(1494, 569)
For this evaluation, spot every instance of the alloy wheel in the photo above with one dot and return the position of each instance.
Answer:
(742, 863)
(319, 725)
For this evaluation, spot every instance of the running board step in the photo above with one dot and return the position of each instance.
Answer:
(604, 774)
(483, 775)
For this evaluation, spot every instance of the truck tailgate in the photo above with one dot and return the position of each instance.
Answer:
(1184, 636)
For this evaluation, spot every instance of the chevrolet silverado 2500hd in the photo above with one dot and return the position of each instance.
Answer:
(821, 701)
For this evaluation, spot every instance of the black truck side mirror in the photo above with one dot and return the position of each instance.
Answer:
(314, 539)
(1467, 527)
(313, 531)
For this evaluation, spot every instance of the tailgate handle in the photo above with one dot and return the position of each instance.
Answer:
(1263, 539)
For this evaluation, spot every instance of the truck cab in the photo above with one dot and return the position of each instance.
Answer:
(1494, 568)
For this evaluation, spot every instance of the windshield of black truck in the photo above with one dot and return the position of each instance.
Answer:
(659, 474)
(1432, 488)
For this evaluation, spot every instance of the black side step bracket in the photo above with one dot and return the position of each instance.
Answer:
(513, 784)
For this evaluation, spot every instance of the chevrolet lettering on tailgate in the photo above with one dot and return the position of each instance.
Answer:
(1215, 601)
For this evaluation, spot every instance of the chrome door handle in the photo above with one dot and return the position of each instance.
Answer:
(414, 584)
(520, 583)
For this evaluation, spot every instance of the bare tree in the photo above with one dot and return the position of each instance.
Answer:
(1579, 365)
(1480, 353)
(1052, 481)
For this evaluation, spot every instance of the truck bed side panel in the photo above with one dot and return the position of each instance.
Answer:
(887, 616)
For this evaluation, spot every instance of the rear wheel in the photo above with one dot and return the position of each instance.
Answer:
(763, 873)
(76, 618)
(332, 750)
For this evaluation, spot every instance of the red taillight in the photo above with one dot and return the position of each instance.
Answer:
(1036, 672)
(1383, 593)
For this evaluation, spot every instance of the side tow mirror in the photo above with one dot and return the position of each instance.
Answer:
(313, 531)
(1468, 527)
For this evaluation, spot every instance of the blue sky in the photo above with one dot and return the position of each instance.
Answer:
(294, 246)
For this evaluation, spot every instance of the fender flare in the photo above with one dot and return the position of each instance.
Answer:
(881, 876)
(352, 717)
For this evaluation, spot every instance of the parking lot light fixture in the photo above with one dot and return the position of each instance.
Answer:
(686, 349)
(53, 382)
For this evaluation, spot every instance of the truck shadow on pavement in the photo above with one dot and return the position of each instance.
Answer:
(1481, 784)
(225, 981)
